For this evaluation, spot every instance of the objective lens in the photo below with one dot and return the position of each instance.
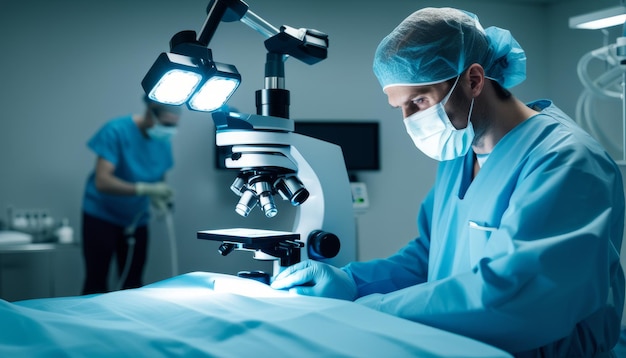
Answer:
(292, 189)
(268, 205)
(264, 192)
(246, 203)
(238, 186)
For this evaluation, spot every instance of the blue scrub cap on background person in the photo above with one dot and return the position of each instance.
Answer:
(433, 45)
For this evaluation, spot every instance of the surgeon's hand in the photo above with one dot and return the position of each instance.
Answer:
(158, 190)
(314, 278)
(160, 195)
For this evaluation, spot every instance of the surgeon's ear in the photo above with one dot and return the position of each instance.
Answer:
(476, 75)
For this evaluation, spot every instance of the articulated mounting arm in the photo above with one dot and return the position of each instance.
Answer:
(307, 45)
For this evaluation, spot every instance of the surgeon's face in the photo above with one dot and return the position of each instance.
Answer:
(168, 119)
(412, 99)
(164, 117)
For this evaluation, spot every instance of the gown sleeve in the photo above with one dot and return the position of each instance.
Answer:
(105, 143)
(407, 267)
(551, 270)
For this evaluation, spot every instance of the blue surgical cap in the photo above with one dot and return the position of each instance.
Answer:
(433, 45)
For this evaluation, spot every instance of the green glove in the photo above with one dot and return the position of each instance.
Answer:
(158, 190)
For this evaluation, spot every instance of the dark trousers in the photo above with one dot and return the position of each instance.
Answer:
(103, 240)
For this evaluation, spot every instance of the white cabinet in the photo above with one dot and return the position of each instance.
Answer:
(40, 271)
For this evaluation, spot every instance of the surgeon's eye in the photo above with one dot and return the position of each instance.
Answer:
(166, 124)
(420, 102)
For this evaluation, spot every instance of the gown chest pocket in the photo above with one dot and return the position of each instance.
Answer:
(478, 237)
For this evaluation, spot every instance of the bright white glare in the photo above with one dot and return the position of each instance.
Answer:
(246, 287)
(603, 23)
(213, 94)
(175, 87)
(599, 19)
(201, 285)
(178, 293)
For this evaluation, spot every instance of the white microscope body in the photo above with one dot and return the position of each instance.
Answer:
(266, 150)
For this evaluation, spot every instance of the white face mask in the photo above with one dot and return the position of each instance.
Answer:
(433, 133)
(161, 132)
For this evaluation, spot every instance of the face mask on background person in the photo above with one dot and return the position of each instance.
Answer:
(433, 133)
(161, 132)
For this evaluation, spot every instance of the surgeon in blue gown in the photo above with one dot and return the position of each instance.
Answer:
(519, 237)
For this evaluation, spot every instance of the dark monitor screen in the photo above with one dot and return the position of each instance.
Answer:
(359, 140)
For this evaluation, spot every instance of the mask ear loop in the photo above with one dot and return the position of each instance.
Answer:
(469, 115)
(447, 97)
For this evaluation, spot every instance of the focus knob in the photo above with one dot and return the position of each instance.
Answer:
(323, 245)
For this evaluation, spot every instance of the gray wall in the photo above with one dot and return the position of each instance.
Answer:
(68, 66)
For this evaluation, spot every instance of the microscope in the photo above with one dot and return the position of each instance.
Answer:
(309, 173)
(273, 160)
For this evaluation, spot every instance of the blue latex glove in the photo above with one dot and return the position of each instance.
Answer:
(314, 278)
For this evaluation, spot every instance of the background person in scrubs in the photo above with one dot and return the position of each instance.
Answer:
(520, 235)
(133, 154)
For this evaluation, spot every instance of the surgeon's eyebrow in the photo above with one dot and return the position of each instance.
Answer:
(411, 97)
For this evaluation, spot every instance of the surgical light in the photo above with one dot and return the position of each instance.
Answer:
(599, 19)
(175, 87)
(188, 74)
(214, 93)
(172, 79)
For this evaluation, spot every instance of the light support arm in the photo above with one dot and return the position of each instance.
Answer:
(189, 75)
(217, 11)
(258, 24)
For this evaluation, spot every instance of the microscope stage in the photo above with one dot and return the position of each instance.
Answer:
(248, 236)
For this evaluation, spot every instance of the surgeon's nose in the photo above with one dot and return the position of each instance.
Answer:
(407, 111)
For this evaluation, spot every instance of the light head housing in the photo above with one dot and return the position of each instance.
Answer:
(172, 79)
(222, 80)
(189, 75)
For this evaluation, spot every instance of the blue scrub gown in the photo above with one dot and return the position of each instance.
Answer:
(136, 159)
(525, 256)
